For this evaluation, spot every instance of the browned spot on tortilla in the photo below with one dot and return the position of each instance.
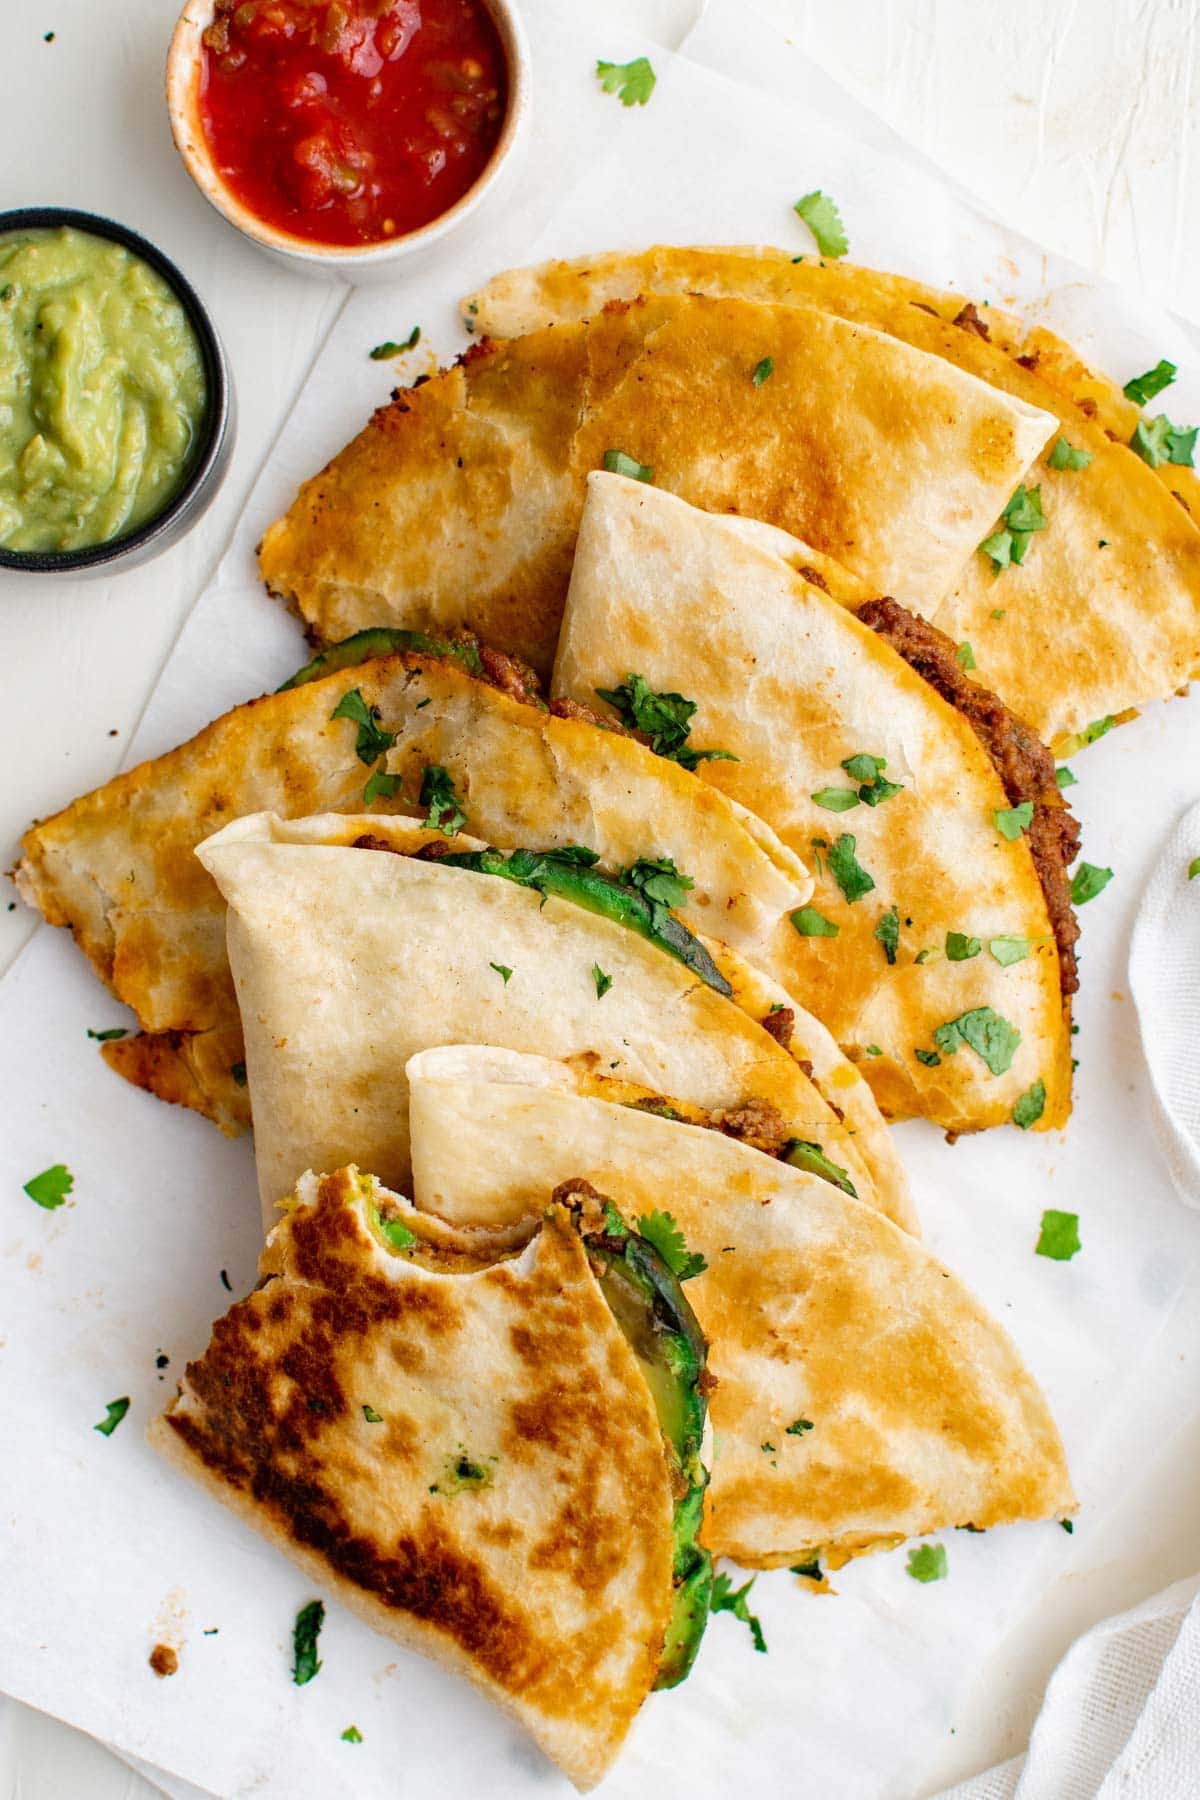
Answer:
(164, 1660)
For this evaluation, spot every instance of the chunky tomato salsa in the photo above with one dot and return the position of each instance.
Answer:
(352, 121)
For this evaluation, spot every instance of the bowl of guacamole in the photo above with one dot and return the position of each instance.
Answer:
(116, 412)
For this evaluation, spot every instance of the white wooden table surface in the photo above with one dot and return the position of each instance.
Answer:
(1078, 120)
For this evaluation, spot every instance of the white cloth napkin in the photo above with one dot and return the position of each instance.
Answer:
(1164, 977)
(1120, 1720)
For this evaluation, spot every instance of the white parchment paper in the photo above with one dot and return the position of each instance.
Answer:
(104, 1552)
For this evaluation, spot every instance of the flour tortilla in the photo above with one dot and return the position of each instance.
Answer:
(793, 685)
(459, 503)
(816, 1309)
(458, 1354)
(348, 961)
(1104, 614)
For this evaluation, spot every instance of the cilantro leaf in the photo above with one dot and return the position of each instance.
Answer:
(1059, 1236)
(503, 971)
(1065, 456)
(868, 769)
(824, 221)
(999, 548)
(726, 1599)
(798, 1427)
(51, 1187)
(960, 948)
(1193, 869)
(1008, 950)
(1012, 821)
(439, 798)
(110, 1036)
(928, 1562)
(846, 869)
(1092, 733)
(1144, 387)
(383, 352)
(660, 1229)
(835, 799)
(305, 1633)
(1020, 519)
(763, 371)
(812, 1159)
(393, 1231)
(371, 1416)
(930, 1058)
(665, 718)
(1157, 441)
(1087, 882)
(810, 923)
(371, 743)
(1065, 777)
(632, 82)
(238, 1071)
(380, 786)
(603, 982)
(1030, 1106)
(659, 879)
(352, 1735)
(619, 462)
(115, 1411)
(983, 1030)
(887, 932)
(810, 1570)
(966, 657)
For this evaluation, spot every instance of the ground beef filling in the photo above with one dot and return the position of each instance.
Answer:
(1023, 763)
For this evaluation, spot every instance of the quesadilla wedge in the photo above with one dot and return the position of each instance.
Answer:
(940, 836)
(493, 1458)
(861, 1394)
(523, 775)
(459, 503)
(1103, 613)
(350, 953)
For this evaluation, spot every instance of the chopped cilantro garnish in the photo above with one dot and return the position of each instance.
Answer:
(352, 1735)
(928, 1562)
(1008, 950)
(1157, 441)
(930, 1058)
(660, 1229)
(960, 947)
(868, 769)
(763, 371)
(659, 879)
(798, 1427)
(463, 1474)
(810, 1570)
(603, 982)
(371, 1416)
(887, 932)
(1030, 1106)
(824, 221)
(1020, 519)
(665, 718)
(768, 1449)
(1087, 882)
(238, 1071)
(983, 1030)
(1013, 820)
(438, 796)
(835, 799)
(380, 786)
(393, 1231)
(115, 1411)
(1059, 1236)
(923, 956)
(225, 1281)
(966, 656)
(1144, 387)
(110, 1036)
(371, 743)
(1065, 456)
(632, 82)
(813, 1160)
(1068, 1525)
(1097, 729)
(810, 923)
(1194, 868)
(51, 1187)
(619, 462)
(305, 1633)
(503, 971)
(726, 1599)
(846, 869)
(1065, 777)
(382, 352)
(874, 1050)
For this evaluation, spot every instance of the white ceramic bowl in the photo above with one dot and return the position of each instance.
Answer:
(350, 262)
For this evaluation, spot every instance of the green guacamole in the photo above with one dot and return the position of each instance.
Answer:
(102, 391)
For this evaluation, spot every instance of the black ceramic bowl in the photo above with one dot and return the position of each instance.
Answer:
(214, 446)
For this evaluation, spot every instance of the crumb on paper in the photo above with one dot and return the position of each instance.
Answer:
(164, 1660)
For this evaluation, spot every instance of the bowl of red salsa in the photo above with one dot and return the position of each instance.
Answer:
(346, 134)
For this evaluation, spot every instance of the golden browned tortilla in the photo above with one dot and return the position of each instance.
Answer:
(348, 959)
(923, 911)
(118, 866)
(461, 1449)
(1104, 614)
(862, 1394)
(459, 502)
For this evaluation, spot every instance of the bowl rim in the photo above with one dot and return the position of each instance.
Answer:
(182, 92)
(214, 428)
